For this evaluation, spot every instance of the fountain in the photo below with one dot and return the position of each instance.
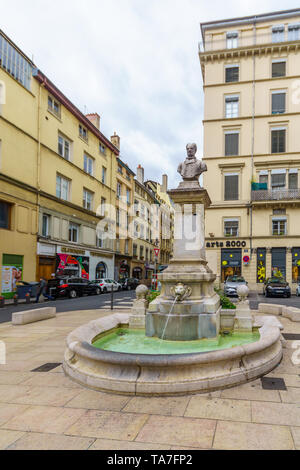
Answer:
(183, 342)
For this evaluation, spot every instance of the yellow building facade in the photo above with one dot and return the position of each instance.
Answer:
(57, 180)
(251, 70)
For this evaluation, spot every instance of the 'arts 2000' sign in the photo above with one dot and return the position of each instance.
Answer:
(228, 244)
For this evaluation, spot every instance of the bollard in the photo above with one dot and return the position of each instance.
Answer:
(112, 298)
(27, 298)
(2, 301)
(16, 299)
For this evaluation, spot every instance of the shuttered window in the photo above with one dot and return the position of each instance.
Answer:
(278, 140)
(232, 74)
(278, 69)
(232, 143)
(231, 187)
(278, 103)
(278, 181)
(279, 261)
(293, 180)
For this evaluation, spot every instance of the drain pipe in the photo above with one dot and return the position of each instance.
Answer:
(252, 137)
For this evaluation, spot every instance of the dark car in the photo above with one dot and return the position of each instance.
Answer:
(130, 283)
(72, 287)
(276, 286)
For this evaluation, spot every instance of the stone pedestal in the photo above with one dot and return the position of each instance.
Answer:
(137, 316)
(243, 319)
(197, 315)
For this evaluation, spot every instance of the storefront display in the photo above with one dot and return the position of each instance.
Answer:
(296, 265)
(261, 265)
(69, 265)
(231, 262)
(279, 262)
(12, 272)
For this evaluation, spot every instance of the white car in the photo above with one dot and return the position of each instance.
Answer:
(106, 285)
(298, 290)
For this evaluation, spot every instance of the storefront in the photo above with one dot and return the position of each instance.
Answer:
(101, 265)
(149, 270)
(296, 265)
(231, 263)
(137, 272)
(101, 271)
(46, 263)
(278, 267)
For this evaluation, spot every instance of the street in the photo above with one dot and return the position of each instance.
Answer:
(122, 299)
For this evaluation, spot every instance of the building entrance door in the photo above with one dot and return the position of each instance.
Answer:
(46, 268)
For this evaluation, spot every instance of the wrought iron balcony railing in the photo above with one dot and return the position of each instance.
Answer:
(275, 195)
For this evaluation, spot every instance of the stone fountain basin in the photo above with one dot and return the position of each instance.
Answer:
(174, 374)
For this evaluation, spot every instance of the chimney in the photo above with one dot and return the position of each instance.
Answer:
(164, 186)
(140, 174)
(115, 140)
(95, 119)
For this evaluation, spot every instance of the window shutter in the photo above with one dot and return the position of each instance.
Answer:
(278, 69)
(293, 180)
(278, 141)
(232, 144)
(231, 187)
(232, 74)
(278, 103)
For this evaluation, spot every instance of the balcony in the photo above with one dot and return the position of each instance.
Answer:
(246, 41)
(279, 195)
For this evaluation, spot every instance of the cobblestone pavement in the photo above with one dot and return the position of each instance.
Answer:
(46, 410)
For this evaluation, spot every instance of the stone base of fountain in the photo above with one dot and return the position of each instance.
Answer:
(168, 374)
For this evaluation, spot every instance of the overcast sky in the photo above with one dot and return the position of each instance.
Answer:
(135, 62)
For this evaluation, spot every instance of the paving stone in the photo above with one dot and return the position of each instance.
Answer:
(44, 419)
(251, 391)
(33, 441)
(46, 396)
(276, 413)
(296, 436)
(50, 380)
(8, 411)
(108, 425)
(178, 431)
(105, 444)
(291, 380)
(13, 378)
(9, 393)
(292, 395)
(175, 406)
(8, 437)
(249, 436)
(217, 408)
(92, 400)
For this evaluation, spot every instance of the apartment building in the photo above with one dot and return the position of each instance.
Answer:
(251, 70)
(57, 172)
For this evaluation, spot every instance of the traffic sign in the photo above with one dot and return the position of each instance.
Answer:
(156, 251)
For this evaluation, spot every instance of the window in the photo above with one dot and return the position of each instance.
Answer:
(88, 165)
(103, 203)
(73, 232)
(127, 176)
(231, 228)
(103, 175)
(102, 148)
(118, 245)
(53, 106)
(278, 140)
(231, 187)
(278, 33)
(231, 73)
(15, 64)
(136, 230)
(119, 190)
(5, 209)
(126, 246)
(278, 68)
(142, 232)
(64, 147)
(293, 179)
(83, 133)
(264, 177)
(294, 32)
(118, 217)
(120, 169)
(278, 179)
(231, 143)
(231, 106)
(62, 188)
(279, 226)
(278, 102)
(279, 211)
(141, 252)
(128, 196)
(143, 211)
(45, 225)
(232, 39)
(87, 200)
(134, 251)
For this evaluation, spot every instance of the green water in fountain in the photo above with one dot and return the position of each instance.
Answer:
(130, 341)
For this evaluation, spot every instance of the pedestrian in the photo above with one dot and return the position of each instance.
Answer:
(43, 290)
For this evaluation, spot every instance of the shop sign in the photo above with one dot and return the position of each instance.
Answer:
(66, 249)
(228, 244)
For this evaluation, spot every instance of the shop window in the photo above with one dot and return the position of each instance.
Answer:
(231, 261)
(279, 262)
(261, 265)
(5, 215)
(278, 68)
(101, 271)
(296, 265)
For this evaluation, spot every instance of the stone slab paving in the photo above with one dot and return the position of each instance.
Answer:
(46, 410)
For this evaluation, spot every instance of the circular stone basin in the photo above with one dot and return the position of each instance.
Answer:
(166, 367)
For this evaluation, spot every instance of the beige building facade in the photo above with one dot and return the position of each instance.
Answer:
(251, 78)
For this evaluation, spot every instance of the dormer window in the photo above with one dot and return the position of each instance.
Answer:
(294, 32)
(278, 33)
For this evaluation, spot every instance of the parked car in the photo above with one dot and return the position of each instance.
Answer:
(276, 286)
(72, 287)
(232, 283)
(106, 285)
(129, 283)
(298, 291)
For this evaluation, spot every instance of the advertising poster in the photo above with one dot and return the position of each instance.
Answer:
(69, 265)
(11, 274)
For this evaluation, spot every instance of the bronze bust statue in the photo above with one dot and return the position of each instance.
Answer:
(191, 169)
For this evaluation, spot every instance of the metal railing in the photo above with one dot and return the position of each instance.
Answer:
(275, 195)
(244, 40)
